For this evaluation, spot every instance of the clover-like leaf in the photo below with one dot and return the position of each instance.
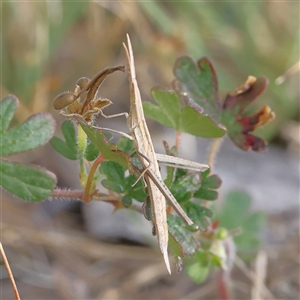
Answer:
(208, 186)
(239, 125)
(169, 113)
(36, 131)
(29, 183)
(67, 148)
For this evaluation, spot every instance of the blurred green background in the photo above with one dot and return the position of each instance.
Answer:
(46, 46)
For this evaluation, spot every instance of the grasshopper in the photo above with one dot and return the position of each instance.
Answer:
(157, 190)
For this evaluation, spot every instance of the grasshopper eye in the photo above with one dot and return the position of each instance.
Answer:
(83, 82)
(63, 100)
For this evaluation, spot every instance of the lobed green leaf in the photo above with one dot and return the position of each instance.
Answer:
(169, 113)
(26, 182)
(35, 131)
(198, 83)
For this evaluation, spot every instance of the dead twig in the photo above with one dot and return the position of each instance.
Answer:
(10, 274)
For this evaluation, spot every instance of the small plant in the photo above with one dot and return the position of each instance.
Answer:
(31, 183)
(193, 107)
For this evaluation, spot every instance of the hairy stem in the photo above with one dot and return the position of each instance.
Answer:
(213, 152)
(67, 194)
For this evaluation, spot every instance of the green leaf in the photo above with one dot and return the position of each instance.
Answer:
(236, 213)
(236, 206)
(112, 186)
(8, 106)
(168, 110)
(137, 191)
(198, 214)
(169, 113)
(62, 148)
(200, 125)
(208, 195)
(125, 144)
(67, 148)
(127, 201)
(117, 182)
(208, 186)
(113, 171)
(184, 238)
(28, 183)
(91, 152)
(69, 133)
(255, 222)
(108, 150)
(199, 83)
(197, 272)
(212, 182)
(184, 185)
(35, 131)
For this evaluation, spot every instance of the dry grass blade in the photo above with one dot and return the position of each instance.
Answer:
(251, 275)
(10, 274)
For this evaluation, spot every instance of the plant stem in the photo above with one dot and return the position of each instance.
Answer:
(211, 159)
(90, 179)
(82, 144)
(67, 194)
(213, 152)
(222, 286)
(177, 140)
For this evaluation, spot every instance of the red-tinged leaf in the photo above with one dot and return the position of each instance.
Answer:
(238, 125)
(245, 93)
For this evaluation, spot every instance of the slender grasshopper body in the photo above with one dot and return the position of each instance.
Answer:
(143, 144)
(144, 148)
